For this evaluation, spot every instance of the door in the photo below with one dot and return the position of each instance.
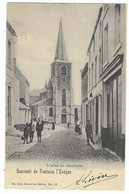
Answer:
(63, 119)
(114, 113)
(109, 114)
(76, 114)
(119, 112)
(96, 115)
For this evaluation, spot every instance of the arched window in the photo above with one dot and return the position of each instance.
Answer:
(50, 112)
(63, 97)
(63, 70)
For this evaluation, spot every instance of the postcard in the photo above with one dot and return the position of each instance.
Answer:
(65, 96)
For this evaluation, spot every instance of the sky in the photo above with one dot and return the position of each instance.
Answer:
(37, 25)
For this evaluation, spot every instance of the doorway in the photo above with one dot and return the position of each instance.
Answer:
(75, 115)
(63, 118)
(114, 113)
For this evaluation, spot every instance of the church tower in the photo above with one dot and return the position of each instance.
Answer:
(61, 79)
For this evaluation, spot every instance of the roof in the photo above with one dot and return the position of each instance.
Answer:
(23, 107)
(43, 102)
(10, 28)
(60, 48)
(84, 70)
(99, 14)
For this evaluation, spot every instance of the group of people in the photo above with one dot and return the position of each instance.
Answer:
(30, 128)
(88, 130)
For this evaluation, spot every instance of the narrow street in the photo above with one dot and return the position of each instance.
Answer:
(60, 145)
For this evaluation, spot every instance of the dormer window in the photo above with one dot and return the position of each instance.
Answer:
(63, 70)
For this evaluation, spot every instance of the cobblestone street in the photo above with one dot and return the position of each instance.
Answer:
(60, 145)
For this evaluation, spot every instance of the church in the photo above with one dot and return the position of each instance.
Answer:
(55, 102)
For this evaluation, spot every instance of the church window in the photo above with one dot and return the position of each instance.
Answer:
(63, 97)
(63, 70)
(53, 71)
(63, 79)
(50, 112)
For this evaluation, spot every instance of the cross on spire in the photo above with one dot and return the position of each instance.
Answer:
(60, 48)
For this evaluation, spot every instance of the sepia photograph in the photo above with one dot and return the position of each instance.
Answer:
(65, 103)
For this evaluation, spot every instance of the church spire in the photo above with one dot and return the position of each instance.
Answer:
(60, 48)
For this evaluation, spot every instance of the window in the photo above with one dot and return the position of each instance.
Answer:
(9, 53)
(50, 112)
(92, 73)
(63, 70)
(106, 43)
(25, 116)
(89, 79)
(93, 44)
(117, 24)
(95, 76)
(89, 55)
(53, 71)
(63, 97)
(86, 82)
(100, 29)
(100, 61)
(63, 79)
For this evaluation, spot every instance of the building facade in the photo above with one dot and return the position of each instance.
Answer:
(84, 97)
(56, 102)
(24, 112)
(113, 76)
(61, 77)
(17, 86)
(10, 80)
(92, 82)
(106, 79)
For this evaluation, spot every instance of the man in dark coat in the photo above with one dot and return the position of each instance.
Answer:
(53, 125)
(68, 124)
(89, 133)
(39, 128)
(25, 134)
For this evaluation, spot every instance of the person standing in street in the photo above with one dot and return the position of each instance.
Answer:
(68, 124)
(39, 128)
(89, 133)
(25, 134)
(53, 125)
(32, 129)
